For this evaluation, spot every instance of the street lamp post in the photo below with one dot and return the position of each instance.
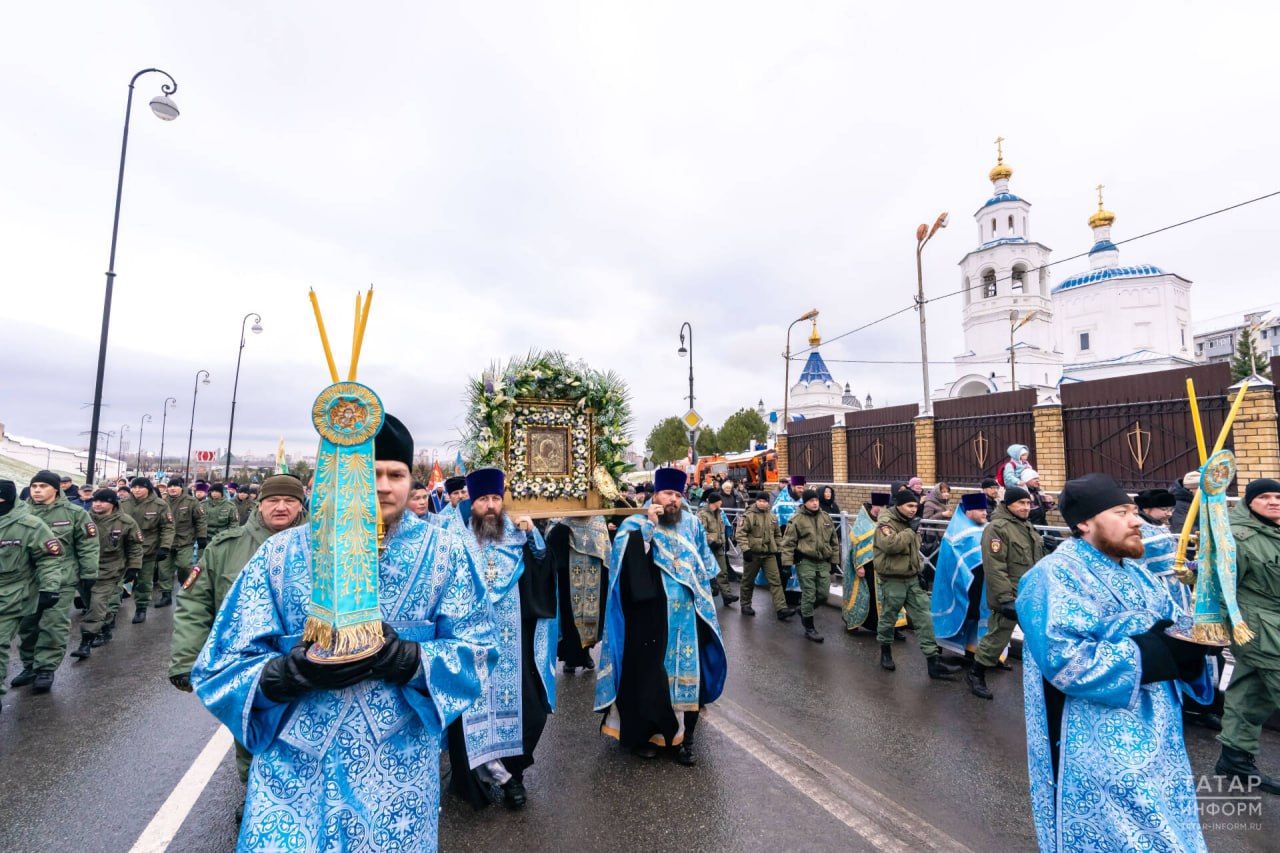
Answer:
(235, 387)
(786, 391)
(693, 433)
(923, 235)
(166, 110)
(120, 451)
(195, 392)
(164, 421)
(1014, 325)
(142, 424)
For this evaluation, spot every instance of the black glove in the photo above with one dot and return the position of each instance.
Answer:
(162, 553)
(286, 677)
(748, 554)
(130, 575)
(1008, 611)
(1166, 658)
(397, 661)
(86, 592)
(182, 682)
(47, 600)
(202, 541)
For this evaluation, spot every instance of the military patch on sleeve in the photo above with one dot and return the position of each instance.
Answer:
(200, 511)
(53, 547)
(170, 516)
(137, 534)
(996, 545)
(91, 530)
(886, 530)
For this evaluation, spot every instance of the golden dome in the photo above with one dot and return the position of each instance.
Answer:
(1000, 170)
(1101, 216)
(814, 337)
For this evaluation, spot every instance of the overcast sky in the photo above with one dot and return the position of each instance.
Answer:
(584, 177)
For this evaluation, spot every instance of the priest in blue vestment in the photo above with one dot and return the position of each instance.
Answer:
(346, 754)
(662, 658)
(1104, 685)
(959, 603)
(493, 742)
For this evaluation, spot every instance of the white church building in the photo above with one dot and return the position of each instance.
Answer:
(1023, 331)
(816, 392)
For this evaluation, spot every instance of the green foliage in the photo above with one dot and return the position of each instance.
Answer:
(1248, 356)
(668, 441)
(740, 429)
(491, 401)
(708, 443)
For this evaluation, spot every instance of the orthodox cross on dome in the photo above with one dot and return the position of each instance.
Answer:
(1102, 216)
(1000, 172)
(999, 149)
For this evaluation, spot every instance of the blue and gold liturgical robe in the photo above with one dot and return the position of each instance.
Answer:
(695, 670)
(1118, 777)
(357, 768)
(494, 726)
(959, 557)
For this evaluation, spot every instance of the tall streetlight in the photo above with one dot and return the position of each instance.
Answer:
(693, 433)
(124, 428)
(164, 421)
(142, 424)
(1014, 325)
(195, 392)
(923, 235)
(786, 391)
(166, 110)
(257, 330)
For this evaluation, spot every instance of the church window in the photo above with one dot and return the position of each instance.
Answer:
(988, 284)
(1010, 223)
(1084, 342)
(993, 228)
(1183, 332)
(1019, 278)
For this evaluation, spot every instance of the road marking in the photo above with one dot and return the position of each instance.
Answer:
(877, 819)
(164, 826)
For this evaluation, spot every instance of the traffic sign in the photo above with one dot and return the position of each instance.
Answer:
(691, 419)
(206, 455)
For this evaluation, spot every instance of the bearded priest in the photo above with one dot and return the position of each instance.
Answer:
(345, 754)
(1103, 683)
(493, 742)
(663, 658)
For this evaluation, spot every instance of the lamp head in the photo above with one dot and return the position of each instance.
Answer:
(1013, 316)
(164, 108)
(205, 381)
(943, 219)
(922, 231)
(682, 350)
(810, 314)
(256, 328)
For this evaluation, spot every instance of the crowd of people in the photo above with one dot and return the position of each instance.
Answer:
(632, 594)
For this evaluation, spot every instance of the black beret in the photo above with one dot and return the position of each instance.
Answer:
(393, 443)
(1085, 497)
(1155, 499)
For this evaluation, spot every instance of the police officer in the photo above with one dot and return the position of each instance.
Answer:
(760, 540)
(1254, 692)
(219, 514)
(189, 530)
(713, 523)
(897, 567)
(121, 548)
(810, 544)
(31, 567)
(43, 638)
(1010, 547)
(220, 564)
(151, 512)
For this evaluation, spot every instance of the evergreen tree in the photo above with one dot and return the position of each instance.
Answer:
(1249, 358)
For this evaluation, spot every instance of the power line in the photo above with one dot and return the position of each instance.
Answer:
(1075, 257)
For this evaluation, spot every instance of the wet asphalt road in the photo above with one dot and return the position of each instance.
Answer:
(813, 748)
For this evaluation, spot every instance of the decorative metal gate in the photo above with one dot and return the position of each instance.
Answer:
(972, 434)
(1138, 428)
(881, 444)
(809, 448)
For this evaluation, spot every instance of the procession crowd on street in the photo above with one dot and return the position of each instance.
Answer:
(637, 594)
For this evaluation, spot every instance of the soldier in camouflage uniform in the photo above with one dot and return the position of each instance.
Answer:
(151, 512)
(42, 640)
(219, 513)
(219, 566)
(245, 504)
(31, 567)
(121, 548)
(713, 523)
(189, 531)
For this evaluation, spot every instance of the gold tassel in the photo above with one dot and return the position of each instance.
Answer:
(317, 631)
(358, 638)
(1209, 633)
(1242, 634)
